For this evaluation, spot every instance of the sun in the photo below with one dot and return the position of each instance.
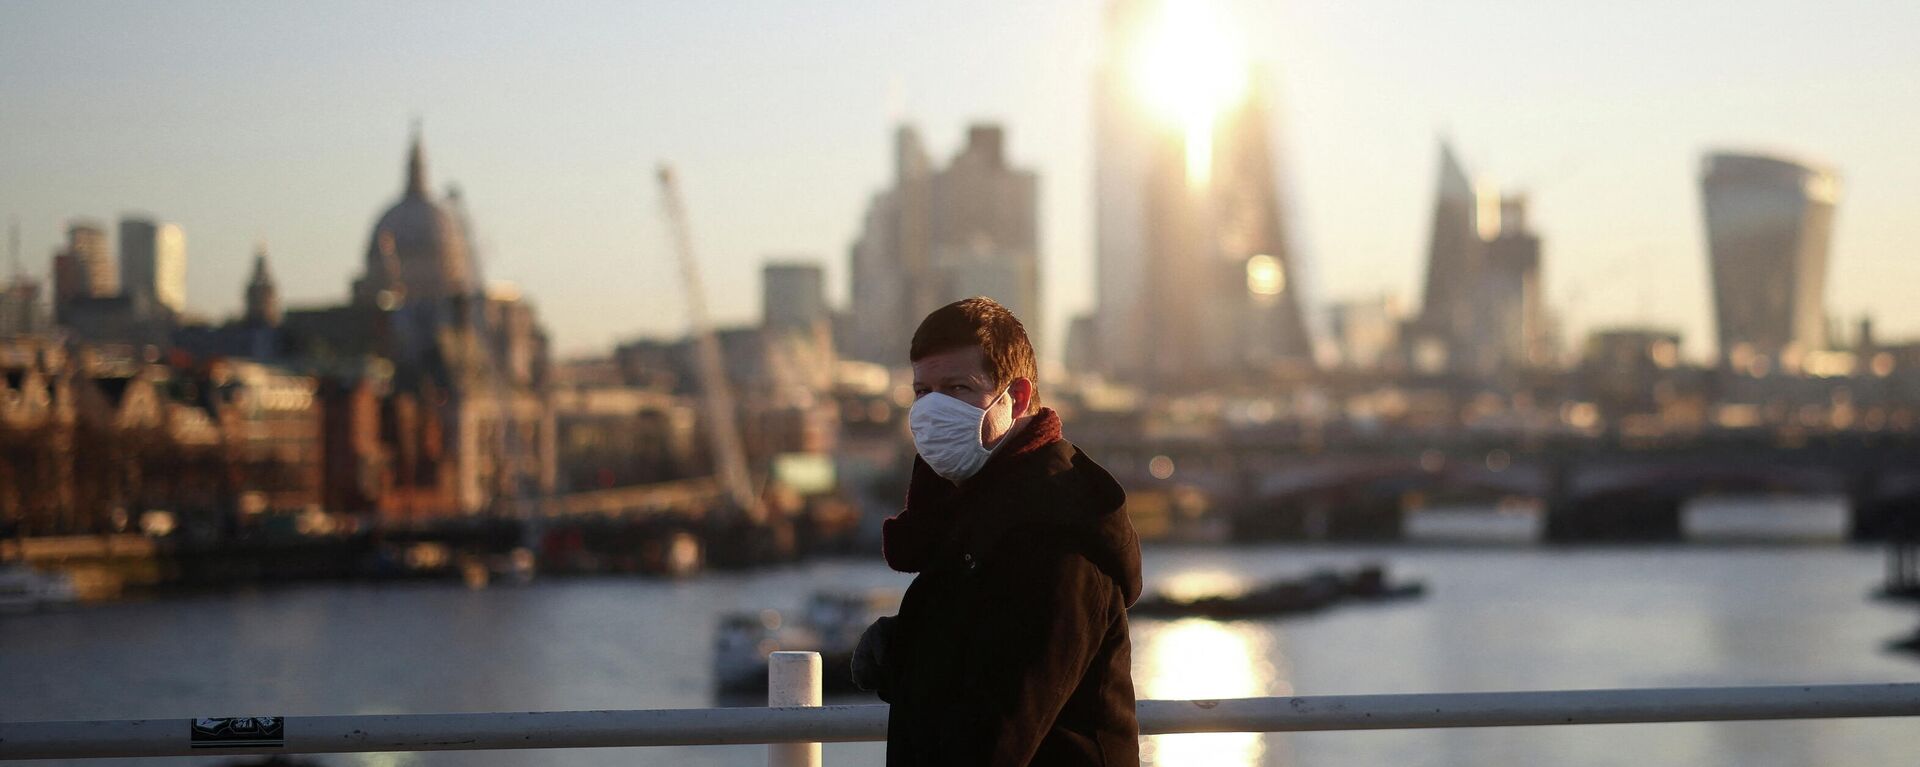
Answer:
(1191, 69)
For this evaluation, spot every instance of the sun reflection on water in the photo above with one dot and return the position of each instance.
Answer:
(1195, 659)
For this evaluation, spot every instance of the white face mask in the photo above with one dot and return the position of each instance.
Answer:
(947, 433)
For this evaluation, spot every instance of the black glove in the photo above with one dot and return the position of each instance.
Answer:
(870, 656)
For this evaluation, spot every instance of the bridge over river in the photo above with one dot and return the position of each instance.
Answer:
(1293, 486)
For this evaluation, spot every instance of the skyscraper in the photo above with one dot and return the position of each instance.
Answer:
(20, 307)
(1124, 148)
(83, 269)
(889, 259)
(1512, 326)
(985, 229)
(937, 236)
(1482, 313)
(1454, 255)
(794, 296)
(89, 305)
(1769, 222)
(1196, 276)
(153, 262)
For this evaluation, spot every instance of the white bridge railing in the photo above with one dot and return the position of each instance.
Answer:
(795, 723)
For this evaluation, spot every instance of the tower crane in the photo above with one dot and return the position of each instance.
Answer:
(723, 433)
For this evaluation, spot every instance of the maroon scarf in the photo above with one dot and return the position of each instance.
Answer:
(907, 538)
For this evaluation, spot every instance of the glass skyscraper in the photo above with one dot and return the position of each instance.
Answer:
(1769, 224)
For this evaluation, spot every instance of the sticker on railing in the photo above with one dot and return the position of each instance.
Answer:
(239, 732)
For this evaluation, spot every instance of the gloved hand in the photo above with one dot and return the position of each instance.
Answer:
(870, 656)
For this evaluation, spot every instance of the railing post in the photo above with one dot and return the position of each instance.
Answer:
(793, 679)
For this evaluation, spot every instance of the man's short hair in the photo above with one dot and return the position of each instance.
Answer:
(980, 323)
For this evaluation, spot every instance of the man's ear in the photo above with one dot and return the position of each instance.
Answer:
(1021, 391)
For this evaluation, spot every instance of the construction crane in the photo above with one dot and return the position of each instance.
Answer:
(723, 433)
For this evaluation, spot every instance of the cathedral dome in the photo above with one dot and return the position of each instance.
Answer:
(419, 243)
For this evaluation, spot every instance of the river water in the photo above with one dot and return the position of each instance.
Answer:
(1493, 619)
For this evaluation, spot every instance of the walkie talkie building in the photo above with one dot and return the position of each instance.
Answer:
(1769, 224)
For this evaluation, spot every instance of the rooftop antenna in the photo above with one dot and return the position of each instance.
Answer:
(13, 247)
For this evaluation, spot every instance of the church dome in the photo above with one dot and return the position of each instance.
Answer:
(420, 243)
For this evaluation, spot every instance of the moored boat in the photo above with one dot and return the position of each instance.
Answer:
(1316, 591)
(830, 623)
(24, 589)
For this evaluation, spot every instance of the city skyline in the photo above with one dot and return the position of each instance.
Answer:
(204, 125)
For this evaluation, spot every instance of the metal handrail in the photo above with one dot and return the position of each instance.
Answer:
(717, 726)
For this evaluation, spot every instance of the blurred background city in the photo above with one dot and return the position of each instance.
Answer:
(374, 358)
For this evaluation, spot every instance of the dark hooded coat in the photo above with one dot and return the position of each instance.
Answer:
(1011, 645)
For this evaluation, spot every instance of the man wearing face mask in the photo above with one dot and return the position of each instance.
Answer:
(1011, 645)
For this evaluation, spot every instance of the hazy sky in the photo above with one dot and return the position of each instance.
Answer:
(288, 123)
